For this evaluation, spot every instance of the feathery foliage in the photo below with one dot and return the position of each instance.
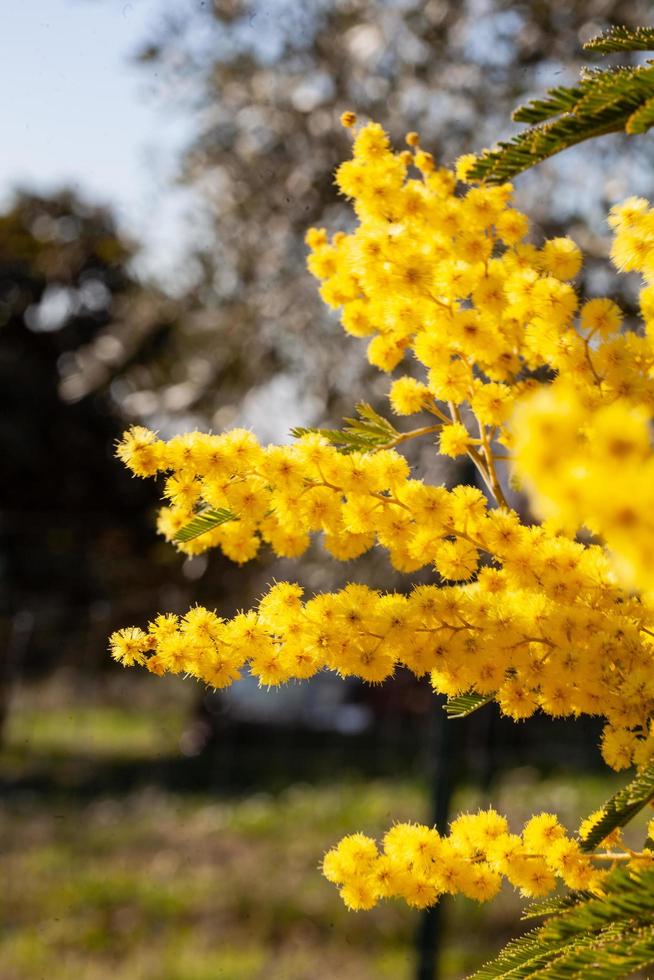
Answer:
(603, 936)
(621, 808)
(622, 39)
(550, 906)
(205, 521)
(465, 704)
(367, 432)
(604, 101)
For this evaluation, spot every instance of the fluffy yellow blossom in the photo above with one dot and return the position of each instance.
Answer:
(454, 440)
(561, 258)
(568, 454)
(492, 403)
(464, 165)
(139, 450)
(408, 396)
(601, 316)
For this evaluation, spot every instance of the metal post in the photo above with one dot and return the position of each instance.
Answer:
(445, 736)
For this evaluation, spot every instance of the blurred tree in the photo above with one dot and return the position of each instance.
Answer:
(76, 535)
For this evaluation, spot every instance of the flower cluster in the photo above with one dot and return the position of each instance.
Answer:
(509, 365)
(585, 652)
(419, 865)
(449, 277)
(281, 494)
(573, 439)
(445, 275)
(599, 446)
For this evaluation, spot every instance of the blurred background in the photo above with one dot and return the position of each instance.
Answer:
(162, 160)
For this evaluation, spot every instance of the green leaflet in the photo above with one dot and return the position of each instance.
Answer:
(205, 521)
(642, 119)
(541, 142)
(624, 89)
(558, 100)
(366, 433)
(551, 905)
(605, 937)
(464, 704)
(622, 807)
(607, 101)
(622, 39)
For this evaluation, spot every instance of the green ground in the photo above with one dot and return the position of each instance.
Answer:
(151, 884)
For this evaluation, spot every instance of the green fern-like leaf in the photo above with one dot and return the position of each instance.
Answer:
(366, 433)
(606, 936)
(337, 437)
(541, 142)
(551, 905)
(516, 955)
(558, 100)
(205, 521)
(642, 119)
(611, 955)
(622, 39)
(623, 89)
(464, 704)
(621, 808)
(612, 100)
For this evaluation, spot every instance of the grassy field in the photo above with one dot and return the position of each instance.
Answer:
(153, 884)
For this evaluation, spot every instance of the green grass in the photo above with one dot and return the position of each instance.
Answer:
(155, 885)
(124, 717)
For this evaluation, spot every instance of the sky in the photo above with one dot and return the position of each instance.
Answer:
(75, 112)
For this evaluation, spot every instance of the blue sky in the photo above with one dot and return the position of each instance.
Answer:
(74, 111)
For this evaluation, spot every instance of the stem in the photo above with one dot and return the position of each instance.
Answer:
(483, 463)
(495, 486)
(388, 500)
(413, 434)
(589, 359)
(607, 856)
(439, 302)
(466, 537)
(435, 410)
(612, 856)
